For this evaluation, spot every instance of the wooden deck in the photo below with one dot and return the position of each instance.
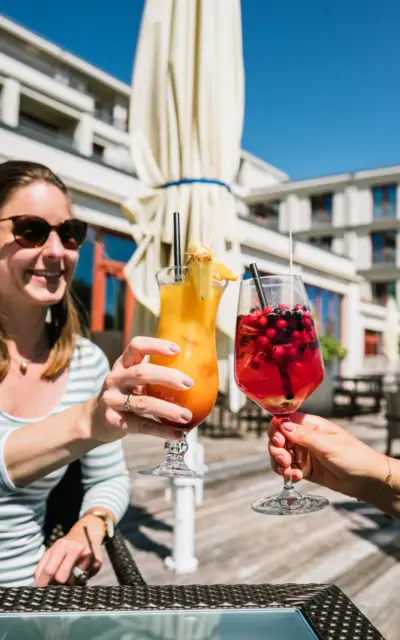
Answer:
(349, 544)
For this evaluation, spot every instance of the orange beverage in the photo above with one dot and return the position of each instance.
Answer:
(189, 321)
(189, 300)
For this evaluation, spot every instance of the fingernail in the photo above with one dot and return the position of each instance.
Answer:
(187, 382)
(186, 415)
(288, 426)
(174, 348)
(281, 460)
(276, 441)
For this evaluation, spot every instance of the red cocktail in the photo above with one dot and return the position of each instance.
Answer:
(278, 360)
(278, 363)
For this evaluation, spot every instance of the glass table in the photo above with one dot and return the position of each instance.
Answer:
(255, 624)
(183, 612)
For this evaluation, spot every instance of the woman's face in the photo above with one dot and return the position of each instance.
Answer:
(36, 276)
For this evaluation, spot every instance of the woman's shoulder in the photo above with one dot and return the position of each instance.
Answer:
(89, 355)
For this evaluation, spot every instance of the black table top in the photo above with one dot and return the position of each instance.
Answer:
(321, 611)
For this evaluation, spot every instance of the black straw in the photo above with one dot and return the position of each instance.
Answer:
(177, 246)
(257, 282)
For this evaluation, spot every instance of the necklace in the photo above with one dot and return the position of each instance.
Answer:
(23, 364)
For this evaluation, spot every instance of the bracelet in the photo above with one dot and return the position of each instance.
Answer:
(388, 479)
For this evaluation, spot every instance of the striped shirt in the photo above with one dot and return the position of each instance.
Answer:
(105, 476)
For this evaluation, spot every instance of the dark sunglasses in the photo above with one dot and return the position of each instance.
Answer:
(31, 231)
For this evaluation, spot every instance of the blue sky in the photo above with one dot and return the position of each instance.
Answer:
(322, 78)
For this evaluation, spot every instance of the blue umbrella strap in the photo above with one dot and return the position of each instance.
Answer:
(177, 183)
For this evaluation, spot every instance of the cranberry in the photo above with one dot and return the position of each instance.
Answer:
(262, 321)
(262, 342)
(255, 363)
(307, 322)
(281, 324)
(282, 306)
(291, 352)
(298, 306)
(296, 335)
(278, 352)
(271, 333)
(267, 311)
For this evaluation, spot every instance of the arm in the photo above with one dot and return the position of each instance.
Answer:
(34, 451)
(382, 487)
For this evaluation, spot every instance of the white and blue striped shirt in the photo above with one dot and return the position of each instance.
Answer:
(105, 477)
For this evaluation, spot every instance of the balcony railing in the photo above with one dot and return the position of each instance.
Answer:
(54, 139)
(319, 221)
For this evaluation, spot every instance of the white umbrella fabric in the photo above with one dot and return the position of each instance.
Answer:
(186, 118)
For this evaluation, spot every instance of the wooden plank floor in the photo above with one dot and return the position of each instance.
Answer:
(349, 544)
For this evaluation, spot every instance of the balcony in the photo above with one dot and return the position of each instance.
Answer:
(384, 257)
(265, 215)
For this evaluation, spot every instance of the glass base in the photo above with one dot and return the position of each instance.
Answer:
(177, 470)
(174, 465)
(290, 503)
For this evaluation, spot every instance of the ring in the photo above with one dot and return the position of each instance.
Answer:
(127, 404)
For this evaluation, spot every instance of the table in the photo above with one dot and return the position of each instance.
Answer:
(193, 612)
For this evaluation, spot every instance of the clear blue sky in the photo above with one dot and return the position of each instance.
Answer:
(322, 78)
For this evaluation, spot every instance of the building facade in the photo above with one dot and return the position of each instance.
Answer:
(355, 215)
(57, 109)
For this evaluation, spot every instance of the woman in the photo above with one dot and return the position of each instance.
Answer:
(330, 456)
(58, 401)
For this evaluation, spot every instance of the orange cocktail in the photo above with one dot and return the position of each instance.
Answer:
(190, 322)
(189, 297)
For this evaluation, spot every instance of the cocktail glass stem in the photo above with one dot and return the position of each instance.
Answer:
(174, 464)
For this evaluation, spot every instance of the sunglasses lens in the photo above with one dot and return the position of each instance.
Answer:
(73, 233)
(31, 232)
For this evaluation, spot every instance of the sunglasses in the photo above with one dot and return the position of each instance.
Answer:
(31, 231)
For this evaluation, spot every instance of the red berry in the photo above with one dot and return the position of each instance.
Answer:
(282, 306)
(296, 335)
(305, 338)
(278, 352)
(262, 321)
(298, 306)
(291, 352)
(262, 342)
(307, 322)
(271, 333)
(267, 311)
(281, 324)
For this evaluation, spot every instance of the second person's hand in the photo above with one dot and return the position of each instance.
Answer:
(325, 454)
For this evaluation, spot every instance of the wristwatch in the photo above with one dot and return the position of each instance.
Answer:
(108, 523)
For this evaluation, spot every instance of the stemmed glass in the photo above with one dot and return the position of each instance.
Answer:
(189, 321)
(278, 364)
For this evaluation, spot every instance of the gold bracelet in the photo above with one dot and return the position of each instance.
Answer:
(388, 479)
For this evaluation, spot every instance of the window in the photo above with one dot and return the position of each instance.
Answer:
(98, 150)
(327, 305)
(372, 342)
(268, 213)
(323, 242)
(384, 199)
(381, 291)
(384, 247)
(321, 209)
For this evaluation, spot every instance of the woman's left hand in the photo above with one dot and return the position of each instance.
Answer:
(73, 550)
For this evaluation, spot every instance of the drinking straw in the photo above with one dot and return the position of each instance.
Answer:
(291, 267)
(257, 282)
(177, 246)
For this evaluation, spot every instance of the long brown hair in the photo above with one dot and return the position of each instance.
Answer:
(64, 325)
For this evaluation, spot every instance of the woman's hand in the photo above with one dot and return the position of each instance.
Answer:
(109, 417)
(73, 550)
(325, 454)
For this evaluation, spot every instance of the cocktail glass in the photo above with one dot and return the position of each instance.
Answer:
(189, 321)
(278, 364)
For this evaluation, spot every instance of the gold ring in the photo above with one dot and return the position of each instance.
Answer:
(127, 404)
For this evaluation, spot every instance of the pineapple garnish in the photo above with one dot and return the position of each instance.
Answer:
(203, 269)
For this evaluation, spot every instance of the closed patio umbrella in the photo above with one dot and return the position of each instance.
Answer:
(186, 118)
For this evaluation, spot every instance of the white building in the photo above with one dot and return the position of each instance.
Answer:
(71, 116)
